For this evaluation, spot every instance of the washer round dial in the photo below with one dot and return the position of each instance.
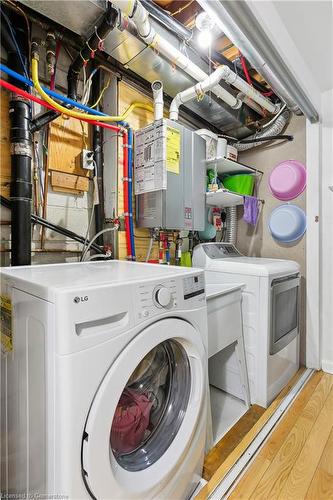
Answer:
(163, 296)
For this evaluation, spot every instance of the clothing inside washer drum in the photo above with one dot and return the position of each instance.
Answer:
(153, 402)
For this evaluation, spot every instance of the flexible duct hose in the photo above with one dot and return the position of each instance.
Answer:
(274, 129)
(231, 221)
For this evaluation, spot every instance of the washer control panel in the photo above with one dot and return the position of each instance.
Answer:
(162, 296)
(193, 286)
(154, 297)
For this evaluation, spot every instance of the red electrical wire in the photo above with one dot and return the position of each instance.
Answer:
(248, 77)
(123, 131)
(125, 191)
(246, 72)
(31, 97)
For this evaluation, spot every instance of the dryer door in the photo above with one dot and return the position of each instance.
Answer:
(145, 412)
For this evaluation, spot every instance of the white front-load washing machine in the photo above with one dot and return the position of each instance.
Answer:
(270, 315)
(104, 380)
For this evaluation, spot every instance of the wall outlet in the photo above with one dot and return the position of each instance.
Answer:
(87, 159)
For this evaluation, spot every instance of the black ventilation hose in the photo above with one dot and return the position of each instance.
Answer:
(269, 138)
(107, 24)
(35, 219)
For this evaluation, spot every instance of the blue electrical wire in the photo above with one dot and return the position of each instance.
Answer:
(54, 94)
(49, 92)
(13, 35)
(130, 189)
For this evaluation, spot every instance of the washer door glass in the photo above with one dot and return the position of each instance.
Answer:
(152, 407)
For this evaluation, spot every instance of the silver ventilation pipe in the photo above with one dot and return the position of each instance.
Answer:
(231, 221)
(275, 129)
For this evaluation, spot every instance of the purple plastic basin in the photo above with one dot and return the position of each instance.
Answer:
(287, 180)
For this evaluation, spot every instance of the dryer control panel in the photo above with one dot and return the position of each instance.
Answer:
(152, 299)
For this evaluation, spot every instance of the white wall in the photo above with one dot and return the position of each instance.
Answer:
(326, 226)
(302, 31)
(258, 241)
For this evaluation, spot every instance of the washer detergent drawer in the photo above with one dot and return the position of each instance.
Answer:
(92, 316)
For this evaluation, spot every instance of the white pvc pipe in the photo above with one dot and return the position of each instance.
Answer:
(226, 74)
(157, 88)
(251, 104)
(134, 10)
(230, 77)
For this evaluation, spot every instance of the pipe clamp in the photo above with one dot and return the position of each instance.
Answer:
(20, 149)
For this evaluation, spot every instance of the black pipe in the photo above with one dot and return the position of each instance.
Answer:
(35, 219)
(42, 120)
(268, 138)
(21, 151)
(98, 157)
(103, 29)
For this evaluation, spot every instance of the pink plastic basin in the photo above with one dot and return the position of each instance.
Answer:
(287, 180)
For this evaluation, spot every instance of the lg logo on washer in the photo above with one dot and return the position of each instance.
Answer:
(77, 300)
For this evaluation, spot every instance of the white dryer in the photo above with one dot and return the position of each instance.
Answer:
(104, 380)
(270, 308)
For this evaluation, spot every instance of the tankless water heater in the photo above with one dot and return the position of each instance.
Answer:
(170, 177)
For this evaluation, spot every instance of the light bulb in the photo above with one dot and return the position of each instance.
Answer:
(204, 39)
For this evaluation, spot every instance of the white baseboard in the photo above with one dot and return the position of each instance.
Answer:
(327, 366)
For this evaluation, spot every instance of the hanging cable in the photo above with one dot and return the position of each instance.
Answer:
(248, 77)
(114, 228)
(268, 138)
(101, 94)
(275, 117)
(57, 52)
(99, 256)
(13, 88)
(76, 114)
(13, 36)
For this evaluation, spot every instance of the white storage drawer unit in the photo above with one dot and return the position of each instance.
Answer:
(225, 339)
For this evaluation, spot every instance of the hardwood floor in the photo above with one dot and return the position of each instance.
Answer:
(296, 461)
(228, 443)
(220, 462)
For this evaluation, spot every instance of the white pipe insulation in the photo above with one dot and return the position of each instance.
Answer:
(157, 88)
(221, 73)
(134, 10)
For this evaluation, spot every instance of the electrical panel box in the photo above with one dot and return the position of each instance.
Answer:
(170, 177)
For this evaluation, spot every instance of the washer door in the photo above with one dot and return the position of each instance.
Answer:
(145, 412)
